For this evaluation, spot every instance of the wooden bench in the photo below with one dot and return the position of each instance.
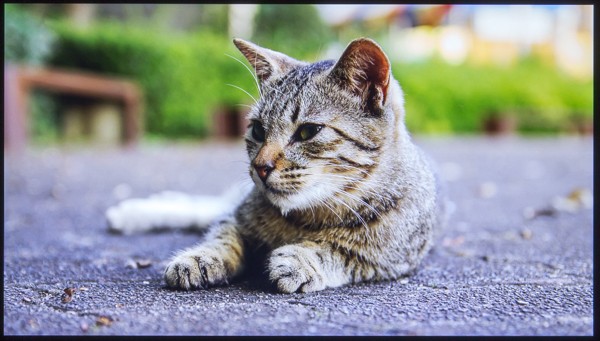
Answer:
(20, 80)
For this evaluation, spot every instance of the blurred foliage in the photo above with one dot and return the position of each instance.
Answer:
(184, 77)
(169, 17)
(26, 39)
(44, 108)
(297, 30)
(442, 98)
(214, 18)
(187, 77)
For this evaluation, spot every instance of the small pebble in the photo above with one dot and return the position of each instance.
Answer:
(138, 264)
(144, 263)
(526, 234)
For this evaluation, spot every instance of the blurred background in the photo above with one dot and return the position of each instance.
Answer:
(465, 69)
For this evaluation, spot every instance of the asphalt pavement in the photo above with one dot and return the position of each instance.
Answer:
(515, 259)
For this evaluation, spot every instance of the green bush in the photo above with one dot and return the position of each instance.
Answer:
(184, 77)
(442, 98)
(28, 41)
(26, 38)
(296, 30)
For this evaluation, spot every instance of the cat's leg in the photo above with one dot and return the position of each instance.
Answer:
(307, 267)
(215, 261)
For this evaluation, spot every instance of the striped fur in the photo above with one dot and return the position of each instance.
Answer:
(357, 201)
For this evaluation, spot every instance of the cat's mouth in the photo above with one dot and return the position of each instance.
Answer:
(271, 189)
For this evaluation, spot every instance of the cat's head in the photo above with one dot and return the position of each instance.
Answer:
(320, 130)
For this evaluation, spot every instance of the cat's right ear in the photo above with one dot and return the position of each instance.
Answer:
(267, 64)
(364, 69)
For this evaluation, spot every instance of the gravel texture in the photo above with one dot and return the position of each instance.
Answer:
(515, 259)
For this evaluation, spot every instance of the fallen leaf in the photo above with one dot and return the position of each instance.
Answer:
(578, 199)
(66, 298)
(68, 295)
(104, 321)
(583, 196)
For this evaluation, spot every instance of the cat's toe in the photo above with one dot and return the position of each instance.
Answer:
(194, 272)
(183, 273)
(294, 269)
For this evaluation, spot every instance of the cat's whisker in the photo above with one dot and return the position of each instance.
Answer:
(247, 68)
(361, 201)
(244, 105)
(358, 216)
(246, 92)
(331, 208)
(356, 198)
(352, 197)
(372, 181)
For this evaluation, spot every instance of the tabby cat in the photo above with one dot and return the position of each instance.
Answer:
(341, 193)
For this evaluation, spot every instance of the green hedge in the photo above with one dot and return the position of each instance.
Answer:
(445, 98)
(296, 29)
(185, 80)
(184, 77)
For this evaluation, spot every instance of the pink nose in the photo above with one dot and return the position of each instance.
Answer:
(263, 171)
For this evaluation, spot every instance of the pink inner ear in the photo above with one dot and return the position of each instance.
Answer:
(378, 67)
(364, 63)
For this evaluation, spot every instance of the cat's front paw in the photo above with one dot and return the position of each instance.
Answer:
(295, 268)
(198, 270)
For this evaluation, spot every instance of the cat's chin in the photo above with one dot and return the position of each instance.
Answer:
(299, 201)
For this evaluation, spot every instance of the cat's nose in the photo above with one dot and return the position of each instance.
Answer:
(263, 171)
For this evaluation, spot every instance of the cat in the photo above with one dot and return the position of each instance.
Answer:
(341, 194)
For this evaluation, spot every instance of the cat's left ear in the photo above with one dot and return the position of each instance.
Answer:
(267, 64)
(364, 70)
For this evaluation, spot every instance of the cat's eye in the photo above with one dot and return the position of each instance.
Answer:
(258, 132)
(307, 132)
